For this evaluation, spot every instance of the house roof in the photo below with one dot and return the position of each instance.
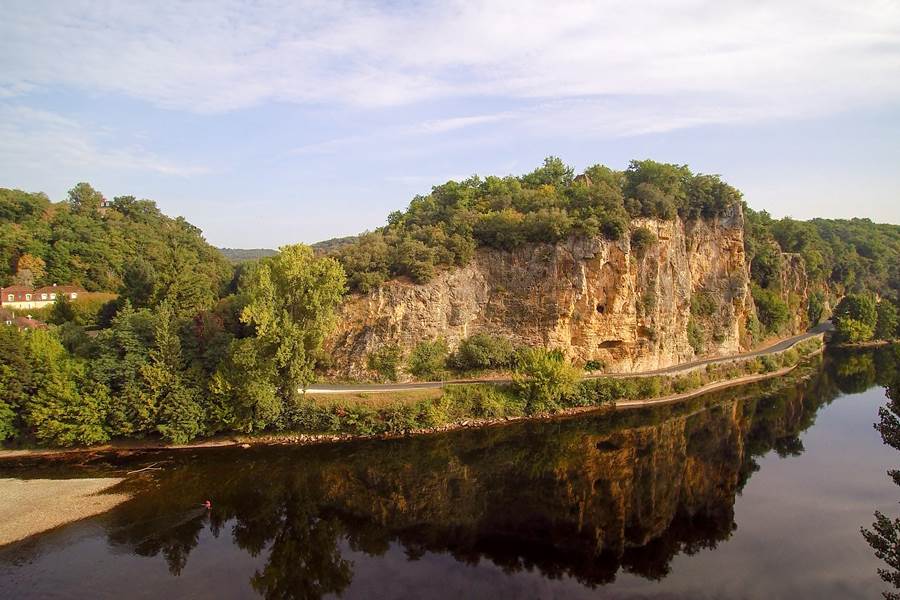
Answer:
(21, 290)
(16, 289)
(60, 289)
(26, 323)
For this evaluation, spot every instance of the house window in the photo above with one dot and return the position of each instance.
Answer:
(53, 296)
(10, 298)
(27, 296)
(43, 296)
(74, 295)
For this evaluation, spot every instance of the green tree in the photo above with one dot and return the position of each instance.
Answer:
(64, 408)
(855, 318)
(544, 378)
(84, 198)
(117, 360)
(62, 310)
(179, 416)
(772, 311)
(428, 359)
(887, 321)
(483, 351)
(291, 305)
(386, 361)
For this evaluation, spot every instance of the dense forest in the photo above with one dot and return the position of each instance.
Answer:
(187, 344)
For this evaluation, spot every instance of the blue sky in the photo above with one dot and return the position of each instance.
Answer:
(267, 123)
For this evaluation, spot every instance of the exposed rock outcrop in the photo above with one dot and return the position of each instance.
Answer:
(593, 298)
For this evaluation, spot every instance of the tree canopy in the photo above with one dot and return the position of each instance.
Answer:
(443, 228)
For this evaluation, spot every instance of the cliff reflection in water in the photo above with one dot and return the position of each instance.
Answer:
(584, 497)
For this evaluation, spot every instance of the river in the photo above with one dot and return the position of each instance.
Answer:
(755, 492)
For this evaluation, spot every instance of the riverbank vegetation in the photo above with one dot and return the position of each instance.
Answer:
(860, 318)
(544, 384)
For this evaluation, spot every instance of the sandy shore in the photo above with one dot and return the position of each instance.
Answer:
(32, 506)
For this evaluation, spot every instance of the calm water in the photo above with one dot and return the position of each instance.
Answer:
(756, 493)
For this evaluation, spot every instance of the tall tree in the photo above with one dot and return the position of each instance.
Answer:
(179, 414)
(85, 199)
(293, 297)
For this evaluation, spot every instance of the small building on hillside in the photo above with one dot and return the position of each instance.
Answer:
(23, 297)
(7, 317)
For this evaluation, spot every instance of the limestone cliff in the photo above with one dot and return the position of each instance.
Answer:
(593, 298)
(794, 287)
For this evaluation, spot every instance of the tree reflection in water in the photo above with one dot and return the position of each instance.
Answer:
(884, 536)
(585, 497)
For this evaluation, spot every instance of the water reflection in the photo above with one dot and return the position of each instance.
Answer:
(884, 536)
(586, 498)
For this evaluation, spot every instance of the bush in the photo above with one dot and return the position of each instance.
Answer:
(544, 378)
(386, 361)
(594, 365)
(686, 383)
(703, 304)
(815, 307)
(695, 336)
(481, 401)
(770, 308)
(770, 362)
(482, 351)
(790, 357)
(428, 359)
(641, 240)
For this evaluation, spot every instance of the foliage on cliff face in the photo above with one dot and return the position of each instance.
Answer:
(549, 204)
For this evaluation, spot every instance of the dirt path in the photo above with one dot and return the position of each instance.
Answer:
(33, 506)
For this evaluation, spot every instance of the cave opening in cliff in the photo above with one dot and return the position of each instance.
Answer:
(601, 308)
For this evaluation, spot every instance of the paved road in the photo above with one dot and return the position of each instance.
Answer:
(426, 385)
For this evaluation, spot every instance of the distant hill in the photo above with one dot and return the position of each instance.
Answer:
(239, 255)
(330, 245)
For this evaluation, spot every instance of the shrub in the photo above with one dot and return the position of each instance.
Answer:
(695, 336)
(482, 351)
(790, 357)
(641, 240)
(594, 365)
(770, 362)
(428, 359)
(815, 307)
(544, 378)
(770, 308)
(649, 387)
(703, 304)
(385, 361)
(686, 383)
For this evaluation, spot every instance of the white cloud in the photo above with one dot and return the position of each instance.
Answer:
(688, 62)
(452, 123)
(46, 140)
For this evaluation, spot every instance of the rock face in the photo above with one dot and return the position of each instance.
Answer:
(593, 298)
(795, 290)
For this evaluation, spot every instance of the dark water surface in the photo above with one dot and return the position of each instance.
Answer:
(752, 493)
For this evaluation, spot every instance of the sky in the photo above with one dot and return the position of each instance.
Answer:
(266, 122)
